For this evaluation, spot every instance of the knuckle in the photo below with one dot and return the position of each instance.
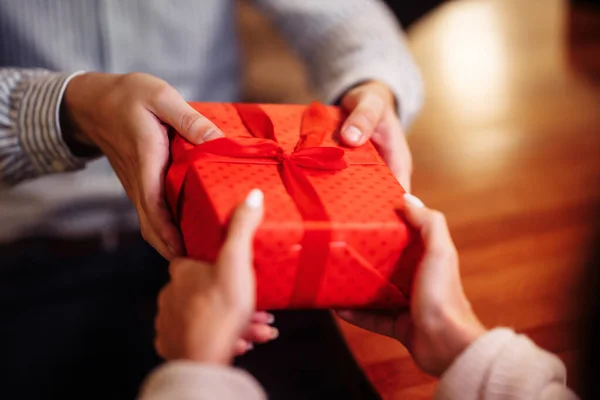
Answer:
(366, 117)
(437, 218)
(134, 78)
(147, 201)
(188, 121)
(154, 209)
(162, 91)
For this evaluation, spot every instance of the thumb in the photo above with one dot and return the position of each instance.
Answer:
(172, 109)
(236, 253)
(367, 109)
(431, 225)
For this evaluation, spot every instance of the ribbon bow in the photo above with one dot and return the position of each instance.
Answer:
(263, 148)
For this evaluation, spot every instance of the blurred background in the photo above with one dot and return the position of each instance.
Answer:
(507, 146)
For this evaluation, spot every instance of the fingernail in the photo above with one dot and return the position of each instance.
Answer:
(250, 346)
(352, 134)
(255, 198)
(413, 200)
(274, 333)
(211, 134)
(270, 318)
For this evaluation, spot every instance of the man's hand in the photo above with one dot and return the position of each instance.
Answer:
(440, 323)
(126, 116)
(372, 115)
(206, 312)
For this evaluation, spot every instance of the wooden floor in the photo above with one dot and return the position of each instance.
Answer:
(508, 147)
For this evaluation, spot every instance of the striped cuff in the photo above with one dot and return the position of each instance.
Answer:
(37, 102)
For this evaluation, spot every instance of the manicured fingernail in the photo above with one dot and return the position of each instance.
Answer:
(250, 346)
(270, 318)
(255, 198)
(352, 134)
(274, 333)
(211, 134)
(413, 200)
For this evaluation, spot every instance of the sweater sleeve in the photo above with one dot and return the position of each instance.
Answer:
(187, 380)
(345, 42)
(504, 365)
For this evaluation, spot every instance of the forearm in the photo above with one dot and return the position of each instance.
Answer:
(344, 42)
(31, 140)
(187, 380)
(504, 365)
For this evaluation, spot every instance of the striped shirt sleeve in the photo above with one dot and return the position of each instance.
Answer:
(31, 142)
(345, 42)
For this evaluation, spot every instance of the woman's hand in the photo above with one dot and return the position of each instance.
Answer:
(206, 312)
(440, 323)
(126, 117)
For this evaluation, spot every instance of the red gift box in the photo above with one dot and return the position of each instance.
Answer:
(331, 236)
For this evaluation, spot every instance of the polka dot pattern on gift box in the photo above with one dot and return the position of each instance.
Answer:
(360, 201)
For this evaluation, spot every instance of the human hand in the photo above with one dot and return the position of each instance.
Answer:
(440, 323)
(206, 312)
(126, 117)
(372, 115)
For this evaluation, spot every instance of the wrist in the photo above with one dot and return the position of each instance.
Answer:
(456, 332)
(219, 337)
(74, 137)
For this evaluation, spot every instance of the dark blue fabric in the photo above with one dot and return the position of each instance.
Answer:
(78, 327)
(81, 327)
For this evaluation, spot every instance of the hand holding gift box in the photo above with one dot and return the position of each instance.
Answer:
(330, 237)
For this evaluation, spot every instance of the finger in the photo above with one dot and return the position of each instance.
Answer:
(163, 235)
(172, 109)
(263, 317)
(365, 116)
(390, 141)
(430, 224)
(260, 333)
(153, 157)
(235, 258)
(242, 347)
(147, 228)
(150, 235)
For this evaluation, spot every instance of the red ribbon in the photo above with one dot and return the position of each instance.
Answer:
(264, 148)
